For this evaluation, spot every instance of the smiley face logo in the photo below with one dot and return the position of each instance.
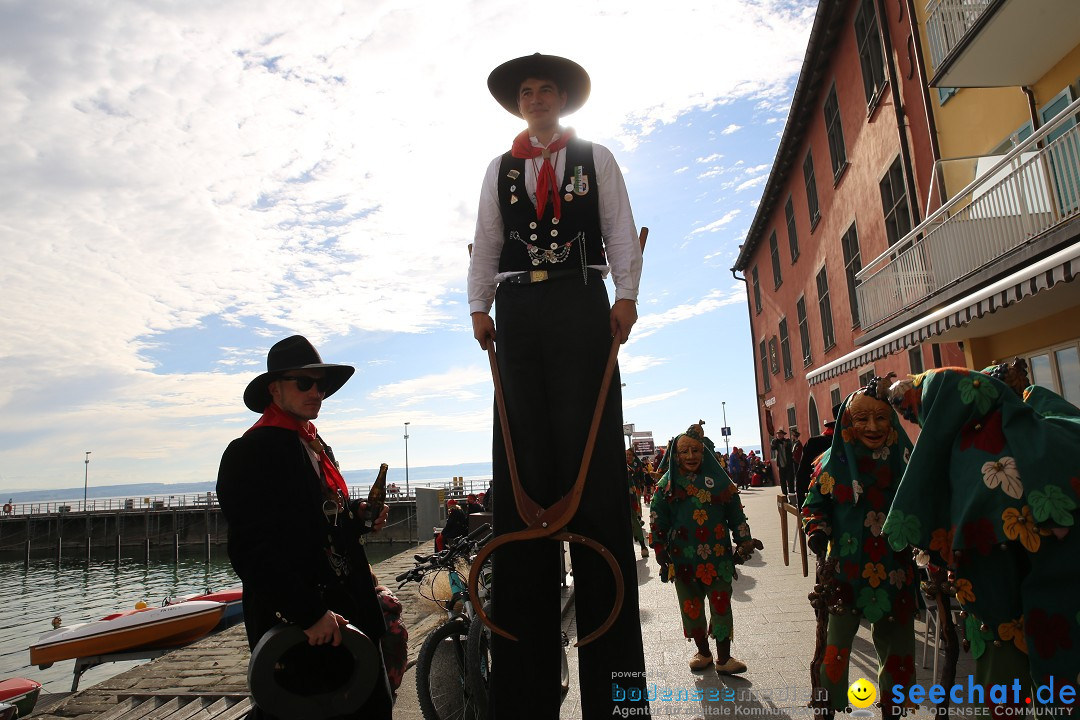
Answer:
(862, 693)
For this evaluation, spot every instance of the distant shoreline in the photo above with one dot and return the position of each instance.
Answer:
(424, 475)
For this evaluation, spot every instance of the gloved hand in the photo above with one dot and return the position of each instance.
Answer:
(665, 564)
(818, 542)
(746, 550)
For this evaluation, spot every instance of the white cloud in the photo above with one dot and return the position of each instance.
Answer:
(652, 399)
(715, 299)
(731, 129)
(717, 224)
(711, 158)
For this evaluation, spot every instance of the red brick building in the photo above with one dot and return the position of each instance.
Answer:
(851, 178)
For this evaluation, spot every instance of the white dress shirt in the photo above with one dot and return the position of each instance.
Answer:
(616, 224)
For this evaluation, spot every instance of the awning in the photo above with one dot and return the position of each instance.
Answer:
(1057, 268)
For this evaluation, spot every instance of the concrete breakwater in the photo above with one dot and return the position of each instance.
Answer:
(139, 531)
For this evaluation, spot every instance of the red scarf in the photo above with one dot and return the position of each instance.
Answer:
(274, 416)
(546, 184)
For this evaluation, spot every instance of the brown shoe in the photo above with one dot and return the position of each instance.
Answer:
(645, 552)
(731, 667)
(700, 662)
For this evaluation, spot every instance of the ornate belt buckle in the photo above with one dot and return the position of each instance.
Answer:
(536, 276)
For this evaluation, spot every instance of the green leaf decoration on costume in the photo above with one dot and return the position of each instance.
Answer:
(976, 636)
(977, 390)
(874, 603)
(1051, 503)
(848, 545)
(902, 530)
(725, 570)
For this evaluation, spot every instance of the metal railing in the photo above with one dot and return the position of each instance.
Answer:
(208, 500)
(947, 21)
(1032, 188)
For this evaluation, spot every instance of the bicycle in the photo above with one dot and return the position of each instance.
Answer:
(443, 688)
(454, 660)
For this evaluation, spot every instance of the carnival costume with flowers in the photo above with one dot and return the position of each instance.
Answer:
(851, 489)
(693, 518)
(1001, 519)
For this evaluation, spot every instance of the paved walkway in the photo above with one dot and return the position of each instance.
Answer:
(774, 636)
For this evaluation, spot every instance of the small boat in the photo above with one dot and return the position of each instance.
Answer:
(21, 694)
(234, 604)
(143, 629)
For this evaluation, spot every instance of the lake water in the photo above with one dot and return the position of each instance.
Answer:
(79, 591)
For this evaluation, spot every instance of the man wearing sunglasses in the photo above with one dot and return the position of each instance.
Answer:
(293, 531)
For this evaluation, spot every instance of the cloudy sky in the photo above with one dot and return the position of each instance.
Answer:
(182, 183)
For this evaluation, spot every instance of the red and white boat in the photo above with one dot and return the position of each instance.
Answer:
(144, 629)
(21, 694)
(234, 604)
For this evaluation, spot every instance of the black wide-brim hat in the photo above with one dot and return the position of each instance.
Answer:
(292, 679)
(292, 353)
(505, 80)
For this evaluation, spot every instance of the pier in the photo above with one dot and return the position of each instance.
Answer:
(142, 527)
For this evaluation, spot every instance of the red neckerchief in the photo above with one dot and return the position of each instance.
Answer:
(546, 184)
(274, 416)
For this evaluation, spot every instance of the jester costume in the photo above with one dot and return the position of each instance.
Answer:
(992, 493)
(693, 518)
(851, 488)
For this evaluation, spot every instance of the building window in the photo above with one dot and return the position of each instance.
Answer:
(825, 309)
(792, 420)
(914, 356)
(815, 421)
(785, 348)
(835, 398)
(764, 367)
(894, 204)
(836, 134)
(757, 289)
(935, 353)
(852, 266)
(804, 332)
(811, 189)
(778, 279)
(774, 356)
(1058, 369)
(792, 237)
(865, 377)
(871, 56)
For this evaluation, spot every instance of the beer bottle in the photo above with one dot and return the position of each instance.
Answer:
(376, 499)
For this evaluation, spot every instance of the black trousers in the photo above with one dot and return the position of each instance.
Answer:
(553, 339)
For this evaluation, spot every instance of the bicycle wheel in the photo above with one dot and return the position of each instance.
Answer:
(442, 686)
(478, 657)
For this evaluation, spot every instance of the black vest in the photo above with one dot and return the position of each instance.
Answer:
(574, 240)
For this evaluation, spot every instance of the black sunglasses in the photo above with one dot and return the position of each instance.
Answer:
(304, 383)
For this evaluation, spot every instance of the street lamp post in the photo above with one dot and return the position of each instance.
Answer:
(406, 459)
(723, 406)
(86, 477)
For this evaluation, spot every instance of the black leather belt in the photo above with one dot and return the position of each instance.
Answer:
(537, 276)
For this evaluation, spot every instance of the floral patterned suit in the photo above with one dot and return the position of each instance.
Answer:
(851, 488)
(693, 519)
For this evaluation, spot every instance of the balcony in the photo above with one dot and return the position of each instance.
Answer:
(998, 43)
(1013, 201)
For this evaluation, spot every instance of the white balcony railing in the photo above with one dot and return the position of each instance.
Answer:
(1012, 200)
(947, 21)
